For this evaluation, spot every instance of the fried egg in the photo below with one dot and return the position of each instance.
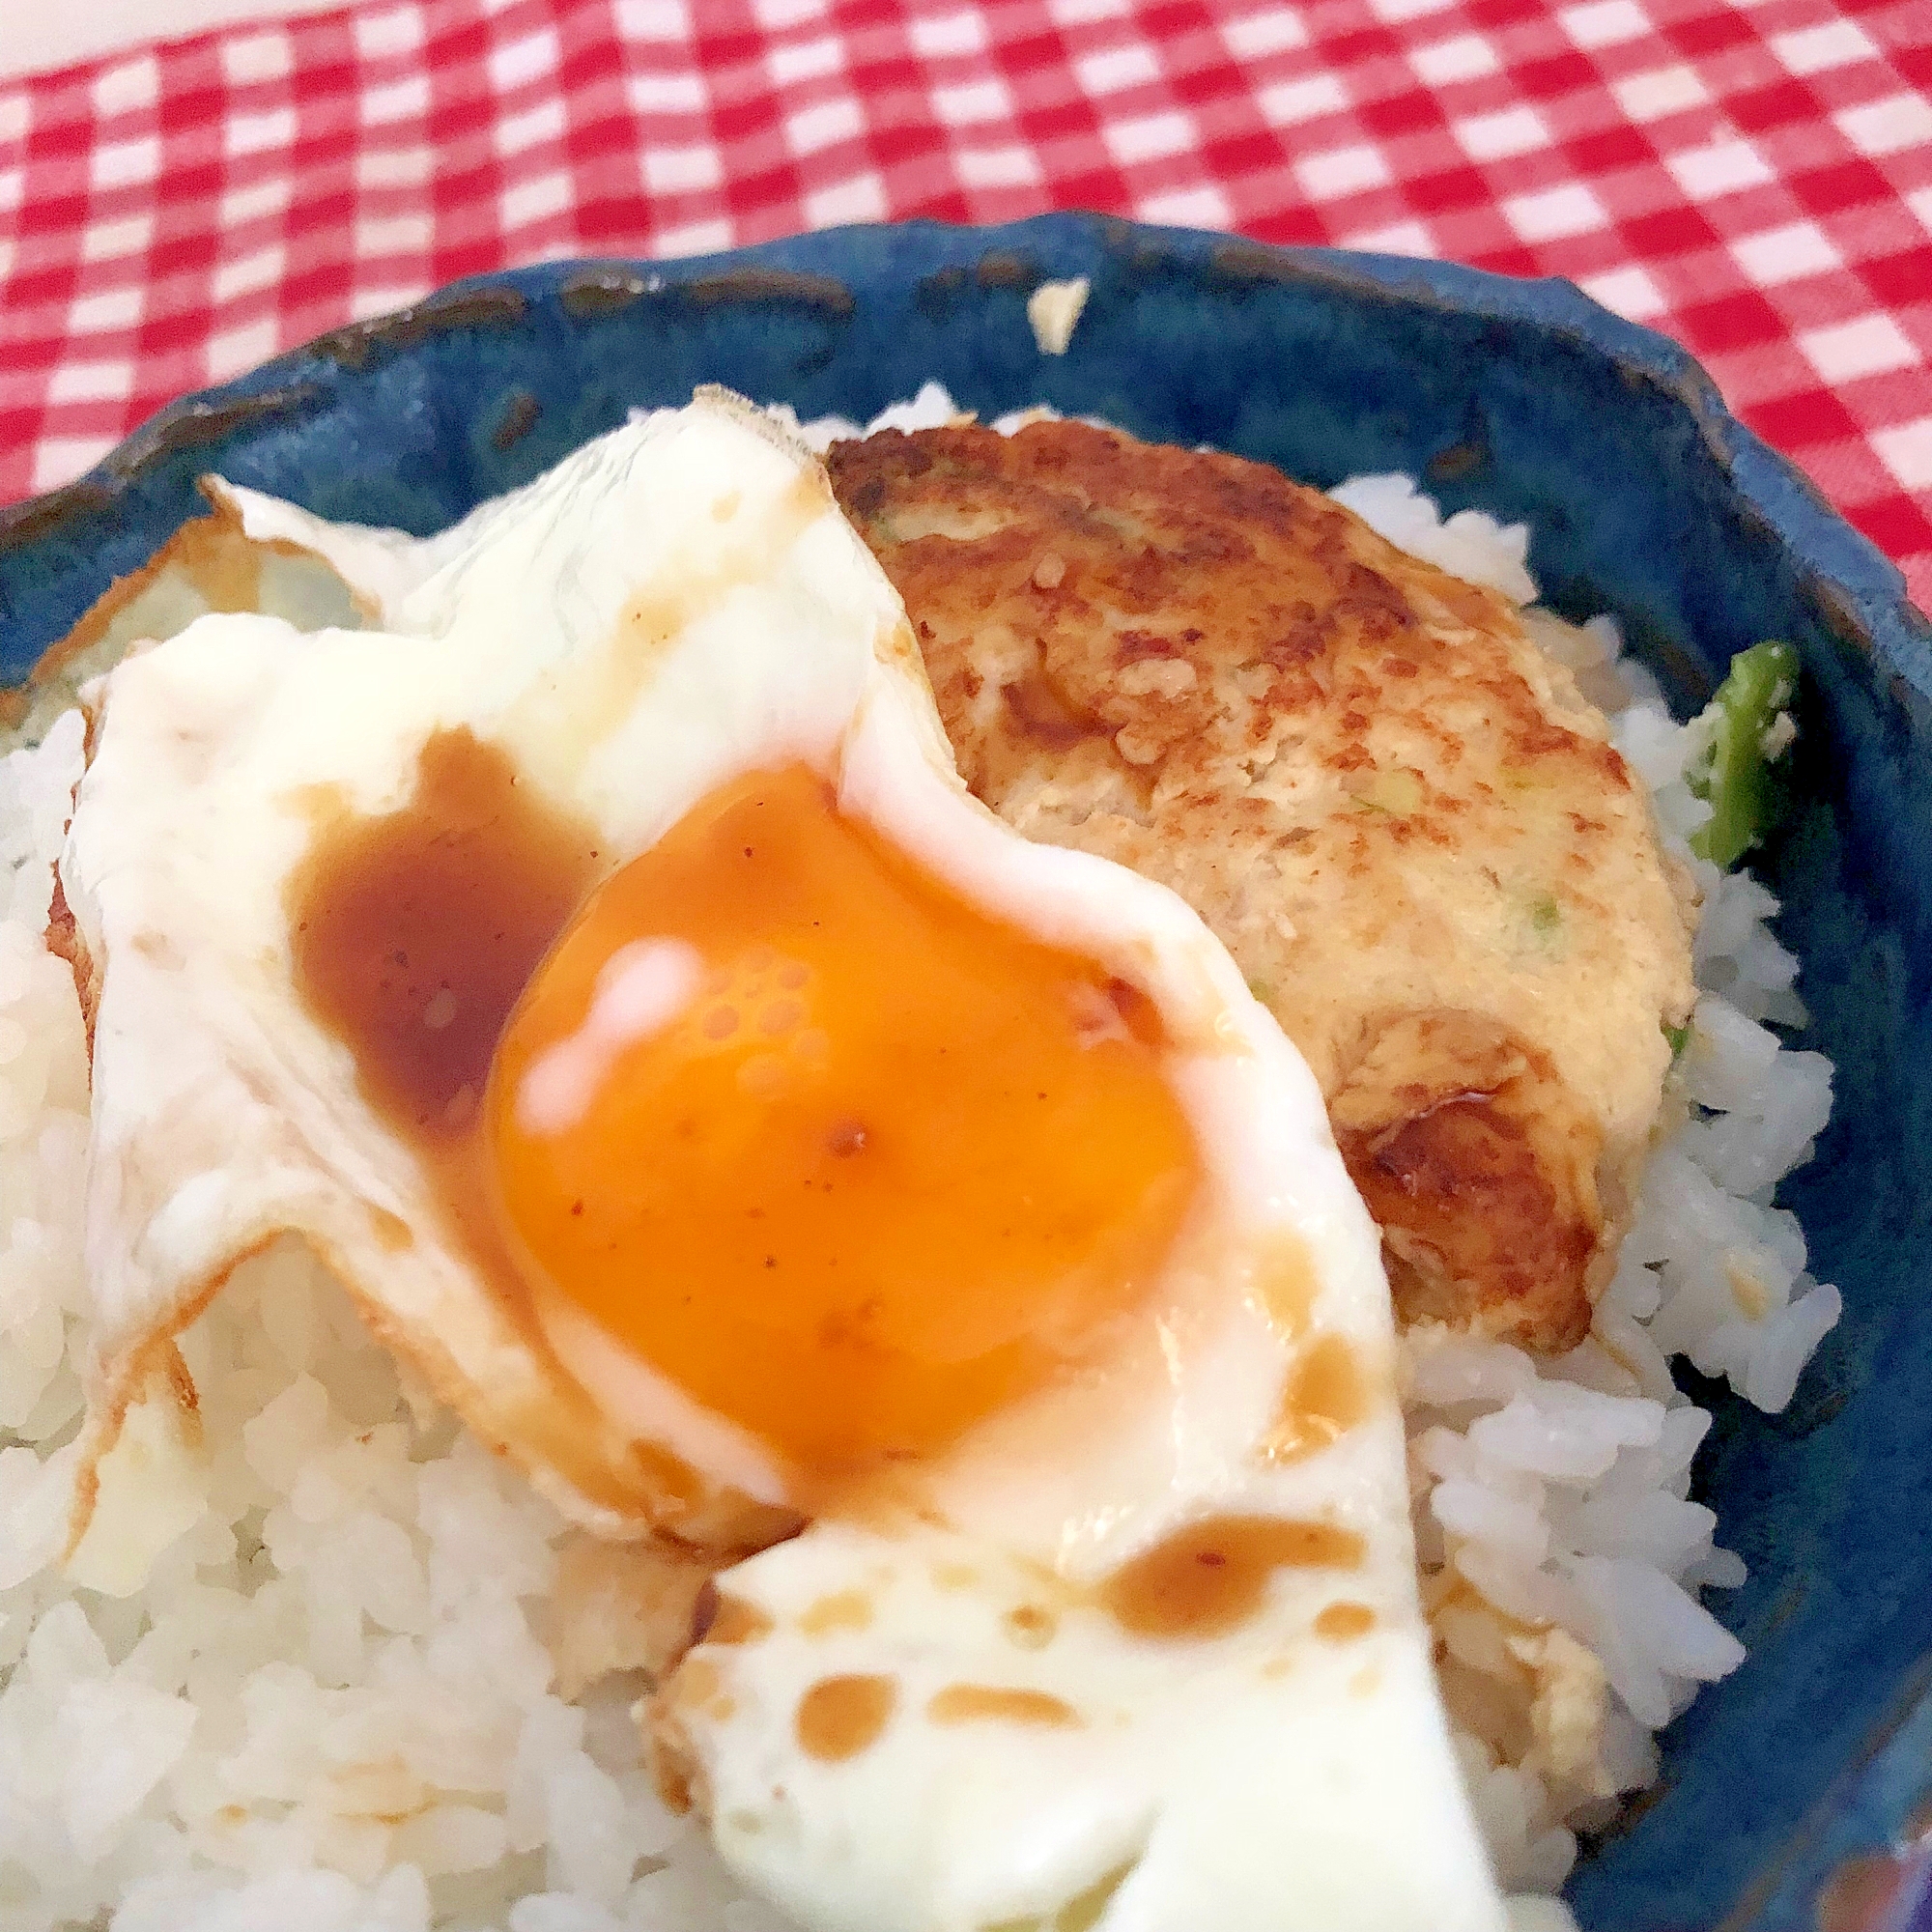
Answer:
(600, 963)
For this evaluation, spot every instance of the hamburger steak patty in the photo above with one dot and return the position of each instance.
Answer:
(1398, 814)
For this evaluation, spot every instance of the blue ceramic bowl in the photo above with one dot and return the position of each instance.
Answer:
(1644, 496)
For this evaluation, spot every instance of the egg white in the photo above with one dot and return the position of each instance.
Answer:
(673, 605)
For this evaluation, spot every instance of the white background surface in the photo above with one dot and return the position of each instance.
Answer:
(40, 34)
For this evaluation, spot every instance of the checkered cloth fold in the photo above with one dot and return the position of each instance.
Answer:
(1754, 178)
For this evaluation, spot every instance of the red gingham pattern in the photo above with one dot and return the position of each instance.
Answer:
(1754, 178)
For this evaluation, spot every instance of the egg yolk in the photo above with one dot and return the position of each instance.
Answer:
(851, 1162)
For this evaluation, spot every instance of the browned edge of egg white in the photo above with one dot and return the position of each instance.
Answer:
(210, 551)
(64, 940)
(157, 1365)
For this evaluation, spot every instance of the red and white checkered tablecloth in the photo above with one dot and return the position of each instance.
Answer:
(1753, 176)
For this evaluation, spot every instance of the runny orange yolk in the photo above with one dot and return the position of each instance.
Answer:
(881, 1164)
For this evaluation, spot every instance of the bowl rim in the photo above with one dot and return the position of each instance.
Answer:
(1857, 591)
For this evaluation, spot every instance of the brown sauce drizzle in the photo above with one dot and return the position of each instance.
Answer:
(735, 1621)
(415, 933)
(1031, 1625)
(393, 1235)
(842, 1609)
(1210, 1578)
(840, 1716)
(699, 1685)
(981, 1703)
(1341, 1623)
(1285, 1285)
(1325, 1397)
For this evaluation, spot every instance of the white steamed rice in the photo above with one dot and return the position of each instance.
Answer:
(336, 1702)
